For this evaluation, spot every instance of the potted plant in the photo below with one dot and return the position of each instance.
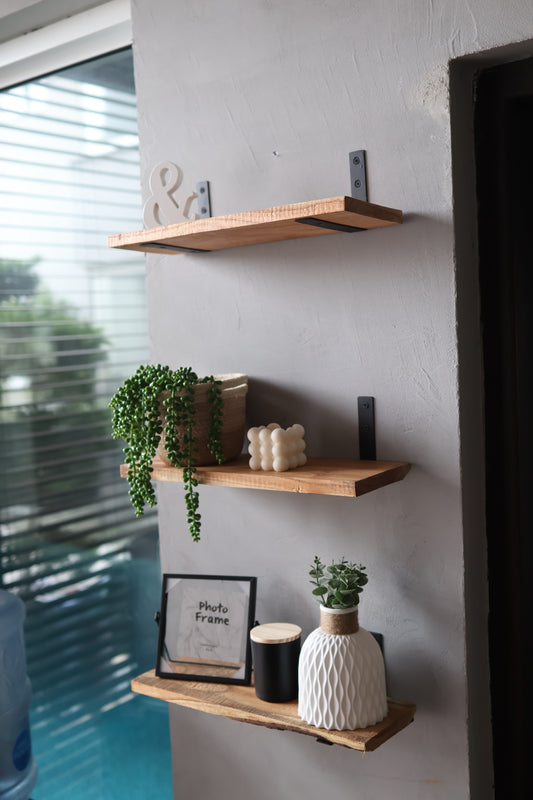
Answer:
(341, 673)
(186, 420)
(340, 584)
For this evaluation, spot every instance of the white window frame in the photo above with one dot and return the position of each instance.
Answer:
(62, 44)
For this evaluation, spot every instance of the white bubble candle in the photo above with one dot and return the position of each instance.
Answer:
(277, 448)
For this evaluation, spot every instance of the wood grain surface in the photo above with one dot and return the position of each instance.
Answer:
(241, 704)
(257, 227)
(343, 477)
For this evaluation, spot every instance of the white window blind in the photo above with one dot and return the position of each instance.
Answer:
(72, 327)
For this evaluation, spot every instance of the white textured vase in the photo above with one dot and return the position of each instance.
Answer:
(341, 676)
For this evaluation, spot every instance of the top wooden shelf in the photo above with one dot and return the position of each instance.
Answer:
(276, 224)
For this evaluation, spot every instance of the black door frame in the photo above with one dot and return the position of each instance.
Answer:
(503, 130)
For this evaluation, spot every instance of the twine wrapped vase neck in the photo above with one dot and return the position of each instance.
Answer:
(343, 621)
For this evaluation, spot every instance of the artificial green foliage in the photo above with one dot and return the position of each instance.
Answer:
(137, 419)
(340, 584)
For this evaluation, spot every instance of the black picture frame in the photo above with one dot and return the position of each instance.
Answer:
(202, 639)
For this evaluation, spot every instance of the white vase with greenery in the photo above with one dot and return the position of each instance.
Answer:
(341, 671)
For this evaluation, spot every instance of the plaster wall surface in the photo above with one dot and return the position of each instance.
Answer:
(266, 99)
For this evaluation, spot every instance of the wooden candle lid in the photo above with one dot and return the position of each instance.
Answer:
(275, 633)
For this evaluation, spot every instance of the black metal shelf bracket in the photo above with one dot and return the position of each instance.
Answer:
(367, 428)
(172, 247)
(204, 199)
(325, 223)
(358, 188)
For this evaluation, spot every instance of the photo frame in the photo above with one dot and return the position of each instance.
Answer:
(204, 628)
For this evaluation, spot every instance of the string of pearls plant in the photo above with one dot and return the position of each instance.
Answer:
(157, 400)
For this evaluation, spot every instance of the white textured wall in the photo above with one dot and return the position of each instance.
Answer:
(314, 323)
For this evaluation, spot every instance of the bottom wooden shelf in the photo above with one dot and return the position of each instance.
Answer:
(240, 703)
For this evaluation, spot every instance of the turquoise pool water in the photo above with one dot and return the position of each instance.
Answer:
(92, 738)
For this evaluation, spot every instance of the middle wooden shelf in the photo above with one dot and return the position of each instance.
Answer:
(342, 477)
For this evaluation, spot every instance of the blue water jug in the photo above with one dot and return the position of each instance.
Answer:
(18, 770)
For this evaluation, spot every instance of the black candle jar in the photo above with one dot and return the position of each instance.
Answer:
(275, 653)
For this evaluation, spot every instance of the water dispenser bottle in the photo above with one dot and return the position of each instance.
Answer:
(18, 770)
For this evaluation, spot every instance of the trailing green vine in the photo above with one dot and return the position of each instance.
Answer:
(155, 401)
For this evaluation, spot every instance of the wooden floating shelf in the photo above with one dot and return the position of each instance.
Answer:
(240, 703)
(342, 477)
(276, 224)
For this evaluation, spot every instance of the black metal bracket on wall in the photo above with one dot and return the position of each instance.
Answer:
(358, 186)
(367, 428)
(172, 247)
(204, 199)
(325, 223)
(358, 191)
(203, 195)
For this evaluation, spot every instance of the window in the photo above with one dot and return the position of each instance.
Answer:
(72, 327)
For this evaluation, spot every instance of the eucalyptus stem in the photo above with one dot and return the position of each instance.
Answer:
(340, 584)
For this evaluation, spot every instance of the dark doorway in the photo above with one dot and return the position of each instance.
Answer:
(504, 164)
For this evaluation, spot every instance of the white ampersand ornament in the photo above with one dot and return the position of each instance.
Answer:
(165, 178)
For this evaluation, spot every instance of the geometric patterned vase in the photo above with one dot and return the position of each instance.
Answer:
(341, 674)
